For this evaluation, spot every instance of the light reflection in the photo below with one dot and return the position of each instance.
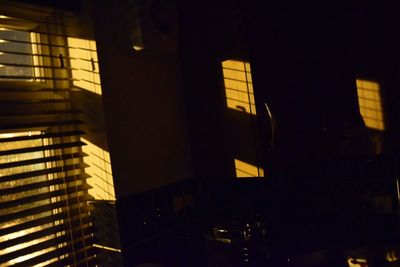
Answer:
(357, 262)
(100, 171)
(137, 47)
(84, 63)
(244, 170)
(370, 104)
(391, 256)
(238, 86)
(107, 248)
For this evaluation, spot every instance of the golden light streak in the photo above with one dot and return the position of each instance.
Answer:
(107, 248)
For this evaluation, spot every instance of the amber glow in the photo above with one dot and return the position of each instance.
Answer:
(244, 170)
(369, 100)
(100, 171)
(353, 262)
(84, 63)
(238, 86)
(391, 256)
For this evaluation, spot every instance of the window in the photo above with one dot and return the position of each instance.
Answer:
(45, 210)
(19, 52)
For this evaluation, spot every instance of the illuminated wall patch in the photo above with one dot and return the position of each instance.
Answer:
(244, 170)
(84, 63)
(369, 100)
(100, 171)
(238, 86)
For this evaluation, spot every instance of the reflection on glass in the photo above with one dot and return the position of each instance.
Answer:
(84, 63)
(100, 171)
(244, 170)
(238, 86)
(370, 104)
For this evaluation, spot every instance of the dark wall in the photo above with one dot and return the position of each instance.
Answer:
(143, 106)
(209, 34)
(306, 57)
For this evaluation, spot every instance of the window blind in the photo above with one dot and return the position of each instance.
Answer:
(45, 216)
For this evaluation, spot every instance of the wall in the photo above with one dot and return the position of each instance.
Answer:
(143, 106)
(210, 33)
(306, 57)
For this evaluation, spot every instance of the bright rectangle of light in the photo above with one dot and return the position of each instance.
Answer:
(238, 86)
(370, 104)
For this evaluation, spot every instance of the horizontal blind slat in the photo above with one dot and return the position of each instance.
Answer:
(41, 148)
(24, 175)
(41, 246)
(73, 214)
(39, 112)
(40, 136)
(45, 196)
(45, 232)
(38, 124)
(41, 160)
(45, 208)
(55, 181)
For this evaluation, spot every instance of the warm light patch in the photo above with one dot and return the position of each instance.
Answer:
(391, 256)
(238, 86)
(100, 171)
(84, 63)
(370, 104)
(353, 262)
(244, 170)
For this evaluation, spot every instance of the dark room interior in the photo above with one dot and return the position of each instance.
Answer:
(257, 133)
